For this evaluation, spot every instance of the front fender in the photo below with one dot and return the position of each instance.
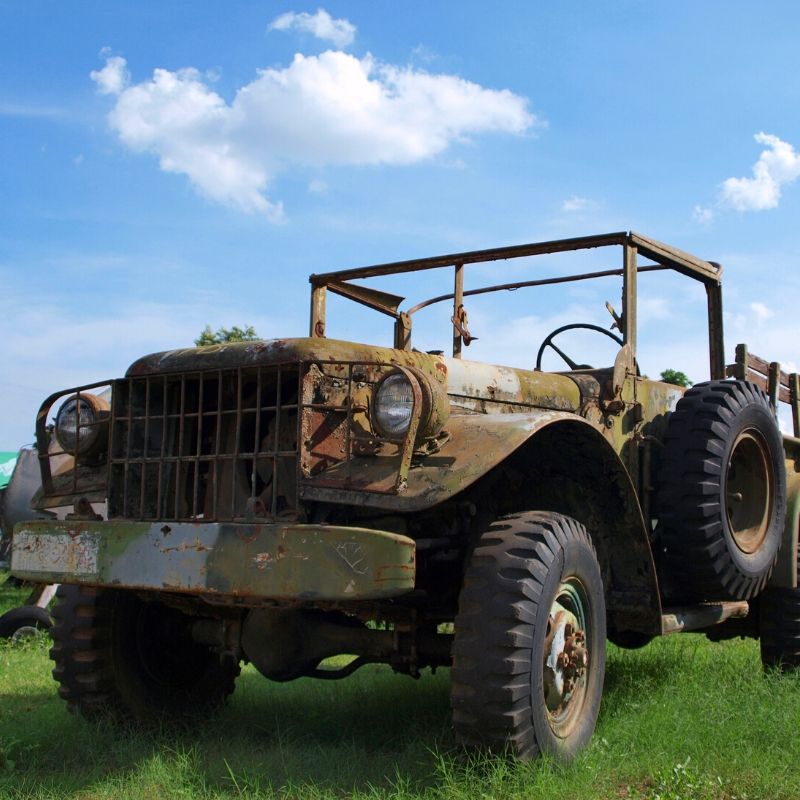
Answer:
(570, 468)
(477, 443)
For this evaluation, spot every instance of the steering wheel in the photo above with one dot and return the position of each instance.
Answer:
(548, 342)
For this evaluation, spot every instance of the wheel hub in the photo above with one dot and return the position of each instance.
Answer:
(566, 662)
(749, 491)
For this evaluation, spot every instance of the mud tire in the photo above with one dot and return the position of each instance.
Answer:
(17, 619)
(518, 568)
(722, 496)
(119, 656)
(780, 628)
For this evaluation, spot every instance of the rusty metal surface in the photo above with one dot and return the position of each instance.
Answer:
(220, 444)
(689, 265)
(338, 446)
(262, 561)
(276, 351)
(633, 244)
(510, 287)
(716, 338)
(475, 445)
(472, 257)
(657, 251)
(64, 475)
(486, 387)
(678, 620)
(785, 573)
(215, 437)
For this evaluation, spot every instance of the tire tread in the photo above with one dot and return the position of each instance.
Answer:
(494, 629)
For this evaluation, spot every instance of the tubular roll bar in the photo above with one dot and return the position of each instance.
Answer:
(633, 244)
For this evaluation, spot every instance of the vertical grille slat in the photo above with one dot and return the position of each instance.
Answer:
(199, 445)
(162, 449)
(237, 439)
(179, 449)
(276, 441)
(217, 440)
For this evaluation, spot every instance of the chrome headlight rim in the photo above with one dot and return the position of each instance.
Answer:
(85, 438)
(388, 431)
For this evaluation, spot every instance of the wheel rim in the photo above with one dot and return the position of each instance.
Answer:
(748, 491)
(566, 657)
(24, 633)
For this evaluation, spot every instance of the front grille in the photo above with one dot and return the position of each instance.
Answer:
(212, 445)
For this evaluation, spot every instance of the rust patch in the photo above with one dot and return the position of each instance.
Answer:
(184, 547)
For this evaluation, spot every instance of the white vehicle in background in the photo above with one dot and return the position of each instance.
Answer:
(23, 481)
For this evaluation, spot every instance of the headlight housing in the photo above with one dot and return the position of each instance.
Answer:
(82, 423)
(393, 405)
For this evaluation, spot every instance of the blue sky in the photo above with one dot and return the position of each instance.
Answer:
(171, 165)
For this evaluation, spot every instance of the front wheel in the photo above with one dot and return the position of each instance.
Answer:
(529, 650)
(116, 654)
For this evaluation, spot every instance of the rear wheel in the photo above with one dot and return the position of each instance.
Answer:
(529, 650)
(117, 654)
(780, 628)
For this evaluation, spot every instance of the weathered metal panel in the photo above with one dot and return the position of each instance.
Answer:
(470, 381)
(785, 573)
(34, 553)
(679, 260)
(474, 257)
(464, 378)
(263, 561)
(693, 618)
(477, 443)
(276, 351)
(203, 445)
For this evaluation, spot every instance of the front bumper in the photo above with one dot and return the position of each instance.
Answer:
(271, 561)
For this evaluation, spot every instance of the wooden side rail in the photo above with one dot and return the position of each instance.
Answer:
(779, 385)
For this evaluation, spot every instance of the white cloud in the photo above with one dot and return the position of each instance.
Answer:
(761, 312)
(703, 214)
(575, 203)
(776, 167)
(114, 76)
(317, 187)
(330, 109)
(339, 32)
(424, 54)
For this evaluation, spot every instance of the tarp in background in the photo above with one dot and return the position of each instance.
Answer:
(7, 462)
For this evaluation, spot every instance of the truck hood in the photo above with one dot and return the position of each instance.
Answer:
(466, 381)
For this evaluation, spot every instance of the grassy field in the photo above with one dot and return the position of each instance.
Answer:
(682, 719)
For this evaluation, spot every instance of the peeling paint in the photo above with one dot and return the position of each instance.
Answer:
(289, 561)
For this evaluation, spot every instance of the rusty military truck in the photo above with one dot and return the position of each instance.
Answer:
(286, 502)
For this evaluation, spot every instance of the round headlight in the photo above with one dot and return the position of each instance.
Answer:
(80, 423)
(393, 404)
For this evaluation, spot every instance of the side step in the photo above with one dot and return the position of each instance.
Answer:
(693, 618)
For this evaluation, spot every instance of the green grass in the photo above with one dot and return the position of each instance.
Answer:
(11, 596)
(682, 719)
